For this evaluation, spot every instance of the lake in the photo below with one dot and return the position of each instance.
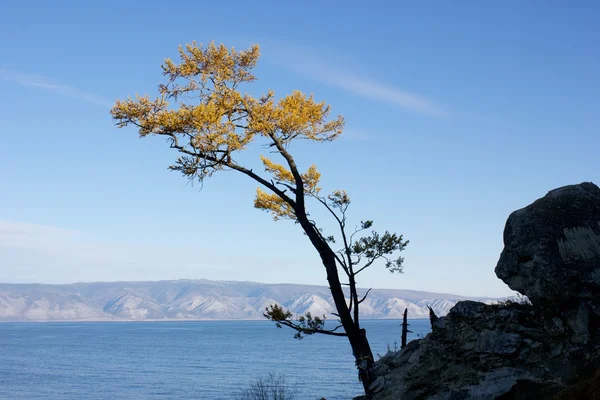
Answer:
(178, 360)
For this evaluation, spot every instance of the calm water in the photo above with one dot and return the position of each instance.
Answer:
(176, 360)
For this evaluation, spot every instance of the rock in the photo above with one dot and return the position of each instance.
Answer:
(585, 389)
(514, 351)
(440, 323)
(497, 342)
(552, 247)
(556, 349)
(500, 380)
(382, 369)
(468, 346)
(533, 344)
(378, 385)
(467, 309)
(579, 323)
(406, 353)
(559, 324)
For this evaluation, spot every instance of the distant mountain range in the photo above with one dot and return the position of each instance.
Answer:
(198, 300)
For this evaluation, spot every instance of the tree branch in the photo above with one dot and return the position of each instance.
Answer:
(293, 169)
(365, 296)
(312, 331)
(175, 144)
(341, 224)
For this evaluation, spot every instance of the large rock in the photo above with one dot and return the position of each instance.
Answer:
(552, 247)
(490, 351)
(519, 350)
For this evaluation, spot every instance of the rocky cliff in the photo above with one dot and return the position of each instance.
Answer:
(544, 349)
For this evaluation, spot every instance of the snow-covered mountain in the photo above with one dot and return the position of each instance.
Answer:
(199, 299)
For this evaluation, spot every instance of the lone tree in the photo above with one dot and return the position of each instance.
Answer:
(213, 121)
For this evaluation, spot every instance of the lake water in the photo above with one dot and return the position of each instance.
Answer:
(177, 360)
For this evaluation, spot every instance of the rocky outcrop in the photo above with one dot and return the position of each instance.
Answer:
(543, 349)
(552, 247)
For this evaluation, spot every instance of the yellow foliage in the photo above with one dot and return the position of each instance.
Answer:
(273, 204)
(213, 62)
(212, 119)
(280, 173)
(311, 179)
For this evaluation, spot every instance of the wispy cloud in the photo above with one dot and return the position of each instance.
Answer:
(305, 62)
(45, 83)
(380, 92)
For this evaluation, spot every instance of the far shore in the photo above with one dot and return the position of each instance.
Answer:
(171, 320)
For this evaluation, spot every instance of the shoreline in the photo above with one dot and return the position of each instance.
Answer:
(171, 320)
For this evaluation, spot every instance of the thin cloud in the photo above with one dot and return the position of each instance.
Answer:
(44, 83)
(380, 92)
(302, 62)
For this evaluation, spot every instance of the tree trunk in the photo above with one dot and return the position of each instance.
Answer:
(356, 336)
(364, 360)
(361, 349)
(404, 328)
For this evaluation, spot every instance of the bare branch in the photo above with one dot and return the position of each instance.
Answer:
(365, 296)
(368, 264)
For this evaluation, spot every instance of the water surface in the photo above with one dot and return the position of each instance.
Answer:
(177, 360)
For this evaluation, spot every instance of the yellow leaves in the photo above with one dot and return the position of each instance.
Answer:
(295, 116)
(298, 115)
(311, 180)
(214, 120)
(262, 118)
(143, 111)
(273, 204)
(217, 63)
(279, 171)
(220, 117)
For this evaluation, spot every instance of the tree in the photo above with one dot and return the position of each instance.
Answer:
(214, 122)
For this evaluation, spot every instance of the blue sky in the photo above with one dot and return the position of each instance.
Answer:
(457, 114)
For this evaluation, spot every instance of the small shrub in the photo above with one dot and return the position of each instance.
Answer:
(393, 349)
(273, 387)
(517, 299)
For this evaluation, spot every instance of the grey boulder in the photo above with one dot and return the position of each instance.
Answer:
(552, 247)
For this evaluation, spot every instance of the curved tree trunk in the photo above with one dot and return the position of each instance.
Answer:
(364, 360)
(356, 336)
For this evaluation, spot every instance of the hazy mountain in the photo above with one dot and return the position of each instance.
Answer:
(198, 299)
